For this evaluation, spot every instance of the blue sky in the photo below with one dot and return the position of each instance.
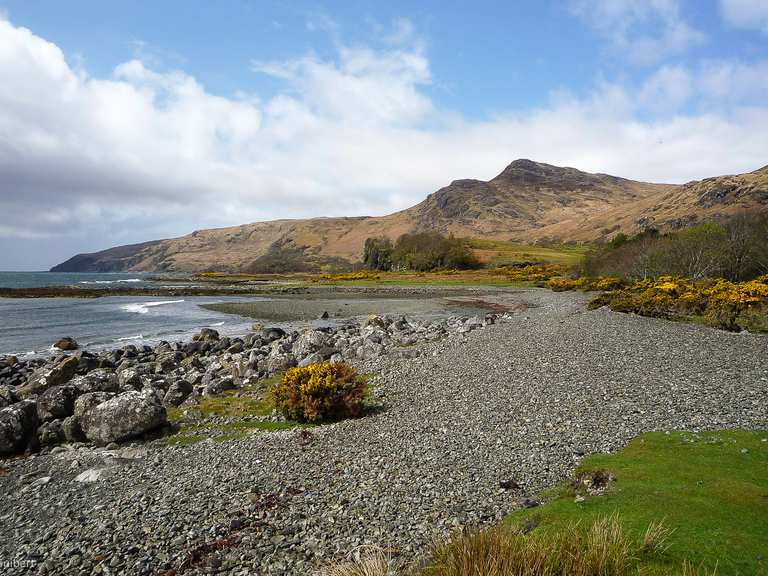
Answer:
(126, 121)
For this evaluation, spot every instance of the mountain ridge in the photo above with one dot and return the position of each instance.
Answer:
(528, 201)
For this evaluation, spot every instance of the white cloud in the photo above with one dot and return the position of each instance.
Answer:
(716, 85)
(644, 31)
(750, 14)
(96, 162)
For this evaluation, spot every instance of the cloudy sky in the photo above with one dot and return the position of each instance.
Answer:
(128, 121)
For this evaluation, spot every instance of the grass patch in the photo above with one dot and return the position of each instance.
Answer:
(500, 252)
(196, 422)
(710, 488)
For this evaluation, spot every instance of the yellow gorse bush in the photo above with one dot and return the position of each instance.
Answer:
(531, 272)
(318, 392)
(359, 275)
(721, 303)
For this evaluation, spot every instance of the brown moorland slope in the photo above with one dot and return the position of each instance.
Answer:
(529, 201)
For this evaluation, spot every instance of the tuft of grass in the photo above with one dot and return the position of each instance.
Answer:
(370, 561)
(603, 549)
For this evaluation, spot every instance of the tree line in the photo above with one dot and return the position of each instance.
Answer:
(736, 249)
(419, 251)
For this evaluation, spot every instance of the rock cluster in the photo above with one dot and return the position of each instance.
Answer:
(123, 393)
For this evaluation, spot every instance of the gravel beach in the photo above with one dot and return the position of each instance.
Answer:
(520, 400)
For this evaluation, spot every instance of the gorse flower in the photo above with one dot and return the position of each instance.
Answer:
(318, 392)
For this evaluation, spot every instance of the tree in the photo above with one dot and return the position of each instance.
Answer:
(377, 253)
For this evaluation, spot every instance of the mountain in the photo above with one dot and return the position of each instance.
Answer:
(529, 201)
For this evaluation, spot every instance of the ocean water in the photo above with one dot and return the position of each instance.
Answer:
(85, 279)
(32, 325)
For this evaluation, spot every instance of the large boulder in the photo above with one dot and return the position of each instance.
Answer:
(129, 379)
(177, 393)
(100, 380)
(280, 362)
(47, 377)
(309, 342)
(88, 401)
(125, 416)
(18, 424)
(56, 402)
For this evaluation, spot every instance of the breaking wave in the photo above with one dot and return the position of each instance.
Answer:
(143, 307)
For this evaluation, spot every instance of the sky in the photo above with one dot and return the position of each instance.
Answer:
(133, 120)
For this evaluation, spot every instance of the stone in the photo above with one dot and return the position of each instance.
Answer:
(272, 334)
(90, 475)
(18, 424)
(72, 431)
(324, 315)
(56, 402)
(99, 380)
(280, 362)
(51, 433)
(125, 416)
(129, 379)
(46, 377)
(87, 401)
(7, 396)
(314, 358)
(236, 348)
(177, 393)
(66, 344)
(206, 335)
(308, 342)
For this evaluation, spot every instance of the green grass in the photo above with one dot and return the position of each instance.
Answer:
(711, 488)
(498, 252)
(195, 423)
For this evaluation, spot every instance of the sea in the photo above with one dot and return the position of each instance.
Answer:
(29, 326)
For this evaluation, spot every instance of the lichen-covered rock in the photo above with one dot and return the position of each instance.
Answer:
(280, 362)
(313, 358)
(125, 416)
(309, 342)
(100, 380)
(72, 431)
(47, 377)
(56, 402)
(87, 401)
(177, 393)
(129, 379)
(51, 433)
(7, 396)
(18, 424)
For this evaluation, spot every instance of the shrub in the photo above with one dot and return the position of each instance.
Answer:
(722, 303)
(320, 392)
(359, 275)
(531, 272)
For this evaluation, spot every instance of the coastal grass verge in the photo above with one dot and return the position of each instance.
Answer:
(710, 489)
